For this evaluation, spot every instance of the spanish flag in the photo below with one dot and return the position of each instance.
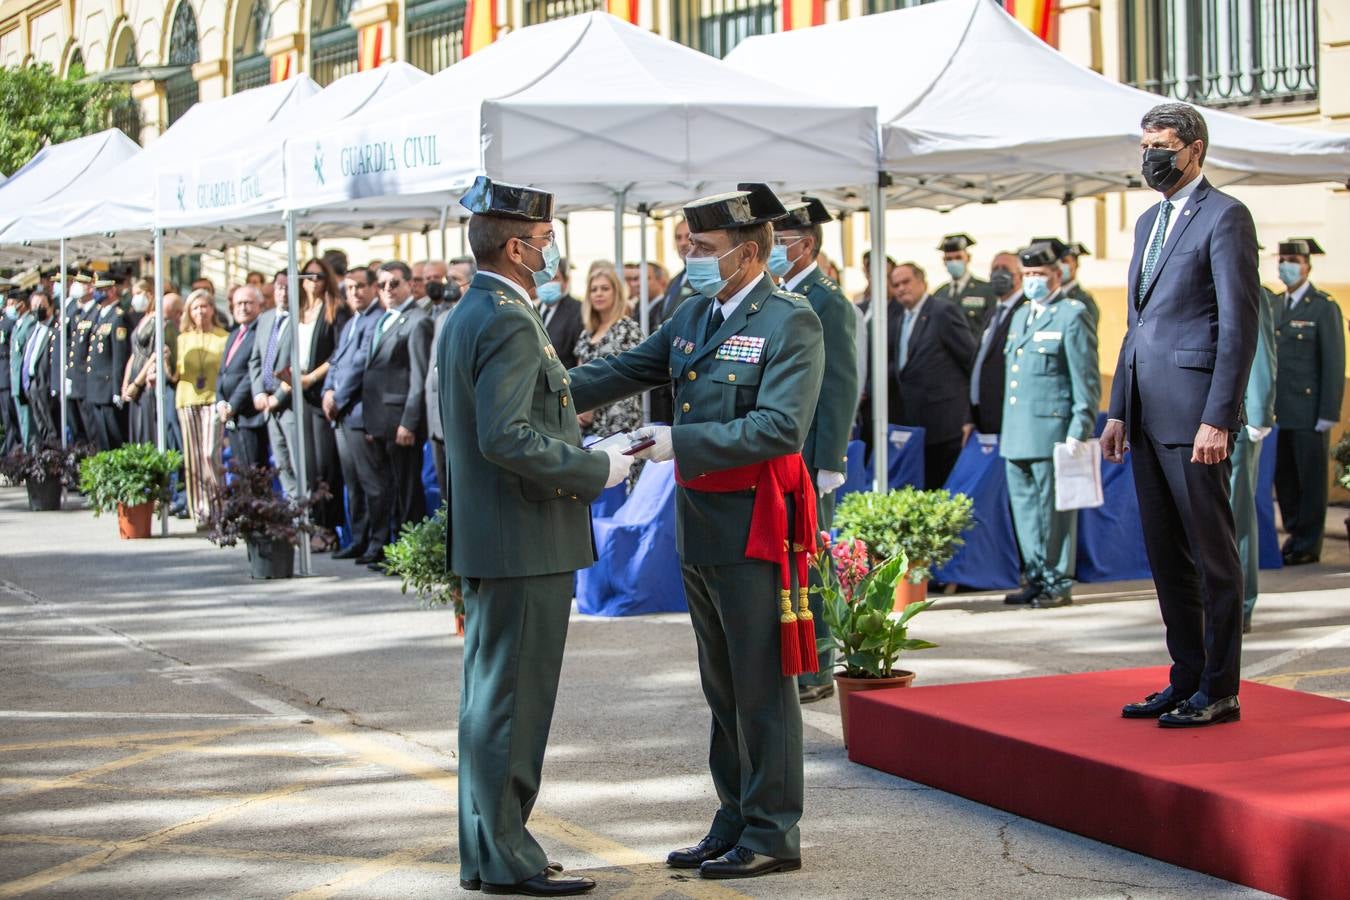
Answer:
(803, 13)
(624, 9)
(371, 44)
(480, 24)
(282, 66)
(1041, 17)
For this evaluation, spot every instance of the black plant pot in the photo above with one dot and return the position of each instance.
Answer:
(44, 495)
(270, 559)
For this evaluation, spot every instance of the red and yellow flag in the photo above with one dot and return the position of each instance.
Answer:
(283, 66)
(370, 42)
(803, 13)
(480, 24)
(624, 9)
(1041, 17)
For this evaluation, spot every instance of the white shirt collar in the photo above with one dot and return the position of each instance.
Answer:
(918, 307)
(791, 283)
(1011, 299)
(1178, 200)
(729, 305)
(519, 291)
(1300, 292)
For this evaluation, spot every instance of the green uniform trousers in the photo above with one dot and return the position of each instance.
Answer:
(824, 520)
(755, 754)
(514, 632)
(1301, 458)
(1246, 466)
(1047, 538)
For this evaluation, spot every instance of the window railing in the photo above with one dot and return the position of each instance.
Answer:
(537, 11)
(252, 71)
(715, 26)
(333, 54)
(876, 6)
(126, 115)
(1222, 53)
(180, 92)
(435, 34)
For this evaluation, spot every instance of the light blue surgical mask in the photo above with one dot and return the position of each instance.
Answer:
(551, 256)
(779, 264)
(1291, 273)
(1035, 287)
(549, 293)
(704, 273)
(956, 268)
(1064, 272)
(11, 312)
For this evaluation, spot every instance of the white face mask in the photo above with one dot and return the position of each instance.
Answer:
(140, 302)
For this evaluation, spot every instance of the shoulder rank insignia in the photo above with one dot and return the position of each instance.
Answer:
(550, 352)
(741, 348)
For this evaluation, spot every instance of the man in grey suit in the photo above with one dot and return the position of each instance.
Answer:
(272, 354)
(432, 391)
(1177, 403)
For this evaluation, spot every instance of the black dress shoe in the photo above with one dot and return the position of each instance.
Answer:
(476, 884)
(1189, 715)
(1022, 597)
(1247, 623)
(814, 692)
(693, 857)
(352, 552)
(1050, 601)
(547, 883)
(1153, 705)
(742, 862)
(1298, 558)
(366, 559)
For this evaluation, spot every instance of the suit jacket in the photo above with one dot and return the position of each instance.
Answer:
(45, 362)
(393, 390)
(1188, 349)
(433, 386)
(18, 339)
(519, 483)
(1075, 291)
(79, 329)
(284, 340)
(564, 328)
(975, 301)
(347, 366)
(676, 293)
(748, 403)
(932, 391)
(1310, 344)
(234, 384)
(1054, 385)
(826, 445)
(987, 411)
(7, 328)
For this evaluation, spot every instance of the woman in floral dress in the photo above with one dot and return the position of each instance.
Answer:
(608, 332)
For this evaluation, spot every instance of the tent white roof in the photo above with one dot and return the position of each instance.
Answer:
(974, 107)
(60, 172)
(587, 107)
(116, 215)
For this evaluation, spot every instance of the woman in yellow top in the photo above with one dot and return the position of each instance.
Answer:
(201, 344)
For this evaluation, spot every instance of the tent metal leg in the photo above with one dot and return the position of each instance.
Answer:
(644, 304)
(65, 305)
(161, 426)
(879, 339)
(297, 395)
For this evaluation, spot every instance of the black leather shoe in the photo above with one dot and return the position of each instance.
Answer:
(814, 692)
(1050, 601)
(476, 884)
(1298, 558)
(547, 883)
(693, 857)
(1153, 705)
(352, 552)
(1022, 597)
(742, 862)
(1247, 623)
(366, 559)
(1189, 715)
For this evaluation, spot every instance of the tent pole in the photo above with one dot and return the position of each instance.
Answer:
(65, 304)
(297, 394)
(879, 338)
(644, 306)
(567, 236)
(161, 435)
(1068, 220)
(445, 252)
(463, 237)
(619, 200)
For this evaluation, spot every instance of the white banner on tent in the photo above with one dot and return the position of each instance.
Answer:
(224, 187)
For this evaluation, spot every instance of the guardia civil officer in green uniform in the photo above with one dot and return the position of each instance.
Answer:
(1259, 402)
(1310, 352)
(1068, 272)
(518, 529)
(797, 241)
(1053, 388)
(974, 296)
(746, 360)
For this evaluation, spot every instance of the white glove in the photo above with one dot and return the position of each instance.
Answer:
(828, 482)
(1325, 424)
(1255, 433)
(1076, 447)
(662, 450)
(619, 466)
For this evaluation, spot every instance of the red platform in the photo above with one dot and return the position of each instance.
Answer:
(1264, 802)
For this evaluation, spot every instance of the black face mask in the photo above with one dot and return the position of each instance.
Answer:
(1160, 168)
(1001, 281)
(42, 314)
(435, 291)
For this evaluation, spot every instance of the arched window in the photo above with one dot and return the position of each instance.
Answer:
(126, 115)
(180, 91)
(75, 65)
(333, 48)
(251, 66)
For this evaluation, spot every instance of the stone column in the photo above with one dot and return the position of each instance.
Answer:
(150, 95)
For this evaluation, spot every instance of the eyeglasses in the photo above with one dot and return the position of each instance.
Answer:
(548, 238)
(391, 284)
(310, 276)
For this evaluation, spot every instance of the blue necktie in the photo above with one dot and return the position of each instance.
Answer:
(1154, 250)
(25, 376)
(902, 355)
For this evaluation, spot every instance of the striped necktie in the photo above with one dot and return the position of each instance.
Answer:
(1154, 250)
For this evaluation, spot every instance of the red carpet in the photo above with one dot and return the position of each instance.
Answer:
(1264, 802)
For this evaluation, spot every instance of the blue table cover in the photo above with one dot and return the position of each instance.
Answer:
(989, 557)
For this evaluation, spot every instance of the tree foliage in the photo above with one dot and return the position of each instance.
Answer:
(38, 107)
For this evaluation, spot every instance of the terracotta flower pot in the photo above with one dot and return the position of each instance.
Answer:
(845, 686)
(907, 592)
(459, 626)
(133, 522)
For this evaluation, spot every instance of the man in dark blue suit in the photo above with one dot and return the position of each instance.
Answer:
(234, 386)
(1177, 403)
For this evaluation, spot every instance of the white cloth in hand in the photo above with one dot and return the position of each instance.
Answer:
(1075, 447)
(828, 482)
(1325, 424)
(1255, 433)
(662, 450)
(619, 466)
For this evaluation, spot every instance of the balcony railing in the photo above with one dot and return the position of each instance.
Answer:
(1223, 53)
(435, 33)
(180, 92)
(715, 26)
(537, 11)
(251, 71)
(876, 6)
(334, 54)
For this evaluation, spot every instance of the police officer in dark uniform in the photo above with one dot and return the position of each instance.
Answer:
(105, 362)
(973, 296)
(1309, 383)
(79, 313)
(1068, 273)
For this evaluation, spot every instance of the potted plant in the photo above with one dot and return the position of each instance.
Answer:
(418, 558)
(44, 471)
(924, 527)
(244, 506)
(865, 632)
(1341, 453)
(129, 479)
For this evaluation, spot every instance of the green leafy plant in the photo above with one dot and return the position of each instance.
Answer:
(866, 637)
(244, 505)
(1341, 453)
(924, 527)
(418, 558)
(130, 475)
(40, 107)
(47, 463)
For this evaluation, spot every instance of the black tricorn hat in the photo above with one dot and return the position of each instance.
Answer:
(1060, 248)
(750, 204)
(1040, 254)
(803, 214)
(512, 201)
(1077, 248)
(952, 243)
(1300, 247)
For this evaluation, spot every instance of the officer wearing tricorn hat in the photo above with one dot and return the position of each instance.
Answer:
(518, 529)
(973, 296)
(78, 320)
(105, 363)
(1068, 254)
(746, 361)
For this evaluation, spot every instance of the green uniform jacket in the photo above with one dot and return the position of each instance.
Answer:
(1053, 385)
(747, 395)
(826, 444)
(1075, 292)
(1310, 351)
(1259, 400)
(19, 339)
(520, 485)
(974, 301)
